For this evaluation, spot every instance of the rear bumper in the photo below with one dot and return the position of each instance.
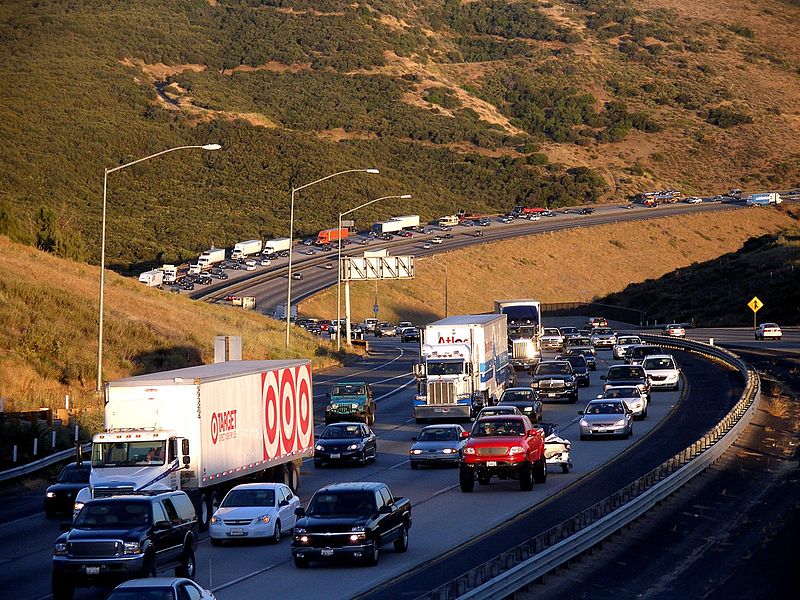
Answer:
(443, 411)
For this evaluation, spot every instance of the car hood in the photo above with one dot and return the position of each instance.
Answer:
(332, 524)
(496, 441)
(621, 382)
(76, 534)
(338, 441)
(604, 418)
(244, 512)
(67, 488)
(561, 376)
(435, 445)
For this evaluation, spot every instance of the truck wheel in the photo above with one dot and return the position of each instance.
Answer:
(203, 515)
(374, 555)
(540, 470)
(401, 543)
(276, 534)
(565, 468)
(525, 477)
(300, 563)
(149, 566)
(293, 476)
(574, 398)
(466, 479)
(62, 590)
(188, 566)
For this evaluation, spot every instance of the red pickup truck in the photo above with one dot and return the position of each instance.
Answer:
(506, 446)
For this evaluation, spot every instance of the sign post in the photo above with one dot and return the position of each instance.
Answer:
(755, 305)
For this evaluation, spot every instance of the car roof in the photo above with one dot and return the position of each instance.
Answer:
(151, 582)
(518, 389)
(256, 486)
(501, 417)
(604, 400)
(442, 425)
(353, 486)
(649, 356)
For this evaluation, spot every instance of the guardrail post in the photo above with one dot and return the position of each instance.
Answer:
(14, 454)
(35, 446)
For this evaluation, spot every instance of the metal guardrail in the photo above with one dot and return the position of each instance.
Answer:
(37, 465)
(516, 568)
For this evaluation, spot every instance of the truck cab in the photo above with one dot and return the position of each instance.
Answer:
(350, 401)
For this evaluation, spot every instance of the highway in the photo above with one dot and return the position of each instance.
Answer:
(444, 519)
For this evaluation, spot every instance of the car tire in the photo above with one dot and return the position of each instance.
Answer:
(630, 432)
(526, 477)
(540, 470)
(300, 563)
(276, 533)
(62, 590)
(574, 398)
(401, 543)
(148, 566)
(466, 480)
(374, 555)
(565, 468)
(188, 565)
(49, 512)
(362, 460)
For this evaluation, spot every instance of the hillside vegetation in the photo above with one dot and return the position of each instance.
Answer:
(481, 105)
(48, 312)
(590, 263)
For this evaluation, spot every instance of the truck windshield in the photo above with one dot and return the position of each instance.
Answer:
(128, 454)
(519, 315)
(348, 390)
(113, 515)
(445, 368)
(341, 503)
(521, 332)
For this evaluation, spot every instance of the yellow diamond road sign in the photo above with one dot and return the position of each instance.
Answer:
(755, 304)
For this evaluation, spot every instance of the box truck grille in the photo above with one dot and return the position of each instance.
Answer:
(95, 549)
(441, 392)
(521, 349)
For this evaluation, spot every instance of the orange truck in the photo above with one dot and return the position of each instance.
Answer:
(328, 236)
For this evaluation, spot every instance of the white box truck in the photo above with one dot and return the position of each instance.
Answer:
(211, 257)
(203, 430)
(170, 273)
(524, 322)
(407, 221)
(464, 366)
(448, 221)
(764, 199)
(152, 278)
(387, 226)
(245, 249)
(277, 245)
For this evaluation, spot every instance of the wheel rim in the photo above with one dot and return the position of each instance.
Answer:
(277, 535)
(190, 566)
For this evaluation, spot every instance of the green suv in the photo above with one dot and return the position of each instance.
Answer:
(350, 401)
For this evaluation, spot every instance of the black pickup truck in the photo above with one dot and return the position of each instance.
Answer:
(350, 520)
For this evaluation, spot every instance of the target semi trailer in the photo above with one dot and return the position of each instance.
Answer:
(203, 430)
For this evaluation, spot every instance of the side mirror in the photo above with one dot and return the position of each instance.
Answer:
(161, 525)
(580, 412)
(465, 434)
(327, 394)
(283, 503)
(414, 439)
(385, 510)
(185, 451)
(300, 512)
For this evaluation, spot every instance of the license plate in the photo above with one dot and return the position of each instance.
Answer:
(237, 531)
(603, 430)
(440, 410)
(336, 456)
(327, 552)
(552, 395)
(491, 463)
(93, 570)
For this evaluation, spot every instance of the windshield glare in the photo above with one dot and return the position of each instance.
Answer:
(113, 515)
(498, 427)
(657, 363)
(348, 390)
(445, 368)
(341, 503)
(626, 373)
(605, 408)
(249, 498)
(552, 369)
(341, 432)
(516, 396)
(128, 454)
(437, 434)
(622, 392)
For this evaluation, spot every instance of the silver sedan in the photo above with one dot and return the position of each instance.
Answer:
(606, 417)
(632, 396)
(437, 445)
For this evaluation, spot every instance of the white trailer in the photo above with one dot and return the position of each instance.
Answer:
(464, 366)
(524, 331)
(448, 221)
(277, 245)
(407, 221)
(245, 249)
(387, 226)
(152, 278)
(764, 199)
(211, 257)
(204, 429)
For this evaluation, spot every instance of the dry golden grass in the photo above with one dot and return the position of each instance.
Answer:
(563, 266)
(48, 309)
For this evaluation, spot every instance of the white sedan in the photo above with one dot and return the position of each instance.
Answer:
(254, 510)
(768, 330)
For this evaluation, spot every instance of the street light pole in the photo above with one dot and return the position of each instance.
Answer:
(291, 234)
(339, 280)
(103, 246)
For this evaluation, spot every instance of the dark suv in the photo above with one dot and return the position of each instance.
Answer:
(125, 537)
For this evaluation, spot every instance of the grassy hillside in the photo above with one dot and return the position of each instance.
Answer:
(480, 104)
(592, 262)
(48, 311)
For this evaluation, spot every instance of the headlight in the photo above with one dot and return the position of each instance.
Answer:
(334, 406)
(620, 423)
(299, 530)
(415, 451)
(584, 423)
(449, 450)
(527, 409)
(534, 384)
(355, 537)
(215, 519)
(60, 549)
(469, 450)
(516, 450)
(319, 447)
(51, 494)
(353, 447)
(131, 548)
(303, 539)
(263, 519)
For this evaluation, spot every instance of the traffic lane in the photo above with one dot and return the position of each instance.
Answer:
(743, 337)
(435, 497)
(710, 393)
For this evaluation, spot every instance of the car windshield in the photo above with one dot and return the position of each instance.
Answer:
(341, 503)
(497, 410)
(602, 331)
(569, 330)
(658, 363)
(348, 390)
(622, 392)
(74, 475)
(625, 373)
(341, 432)
(497, 427)
(516, 395)
(445, 368)
(551, 331)
(437, 434)
(576, 360)
(640, 351)
(150, 593)
(580, 341)
(127, 454)
(251, 497)
(628, 340)
(552, 369)
(113, 515)
(604, 408)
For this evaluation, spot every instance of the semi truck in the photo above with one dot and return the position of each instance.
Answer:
(463, 366)
(390, 226)
(277, 245)
(152, 278)
(524, 331)
(448, 221)
(328, 236)
(245, 249)
(764, 199)
(407, 221)
(203, 430)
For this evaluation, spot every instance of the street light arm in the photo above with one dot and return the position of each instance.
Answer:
(297, 189)
(347, 212)
(203, 147)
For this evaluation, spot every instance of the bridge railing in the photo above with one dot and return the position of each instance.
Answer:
(522, 565)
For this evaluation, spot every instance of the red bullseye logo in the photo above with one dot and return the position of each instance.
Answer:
(304, 407)
(288, 409)
(214, 428)
(271, 414)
